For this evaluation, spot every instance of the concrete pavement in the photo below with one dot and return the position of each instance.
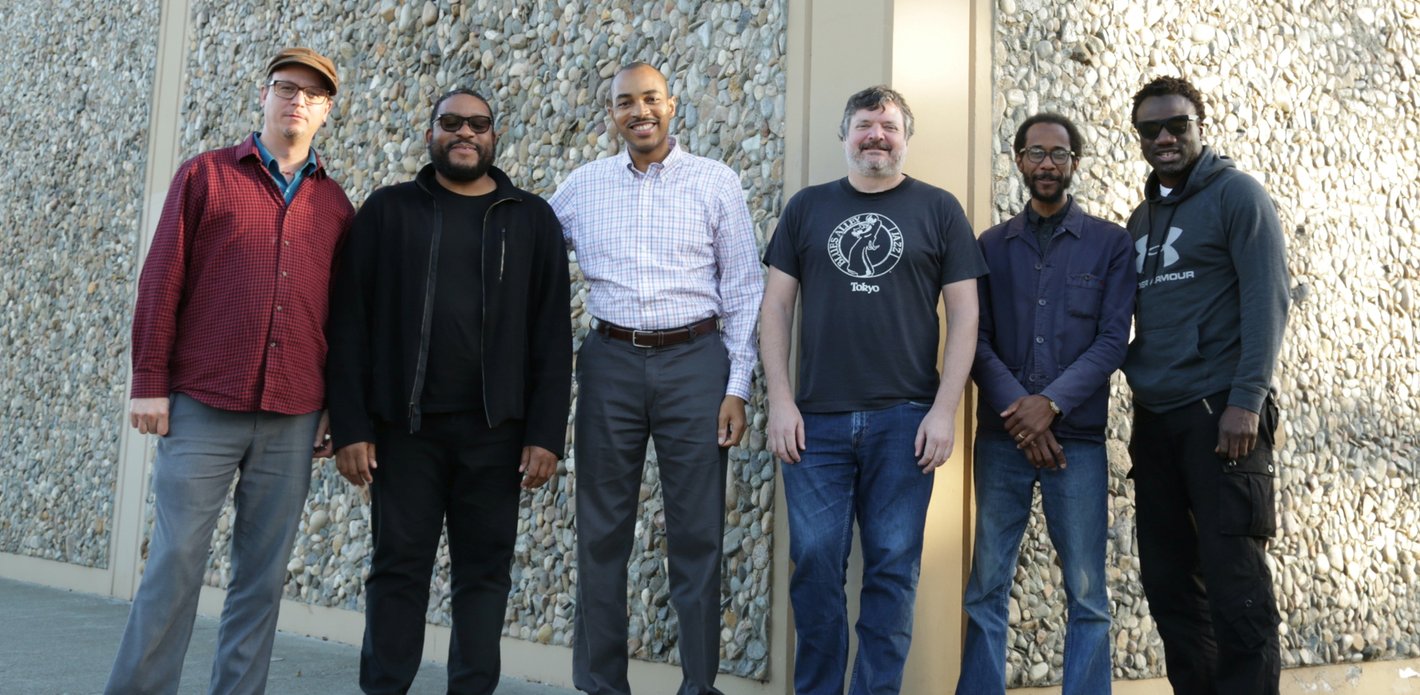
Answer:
(57, 642)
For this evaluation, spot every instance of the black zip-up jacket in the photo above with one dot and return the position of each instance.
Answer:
(383, 300)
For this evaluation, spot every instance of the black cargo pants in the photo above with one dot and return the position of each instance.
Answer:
(1203, 523)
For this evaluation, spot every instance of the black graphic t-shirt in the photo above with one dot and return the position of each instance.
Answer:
(871, 267)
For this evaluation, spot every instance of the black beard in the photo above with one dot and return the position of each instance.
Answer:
(1064, 185)
(462, 173)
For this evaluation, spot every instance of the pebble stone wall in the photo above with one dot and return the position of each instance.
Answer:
(1316, 99)
(75, 112)
(545, 67)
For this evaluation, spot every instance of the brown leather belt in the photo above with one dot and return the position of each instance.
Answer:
(655, 339)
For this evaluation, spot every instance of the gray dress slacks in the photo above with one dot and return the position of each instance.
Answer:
(672, 396)
(205, 447)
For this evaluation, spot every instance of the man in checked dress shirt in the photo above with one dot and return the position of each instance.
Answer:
(665, 241)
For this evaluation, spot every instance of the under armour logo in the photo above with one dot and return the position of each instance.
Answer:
(1170, 255)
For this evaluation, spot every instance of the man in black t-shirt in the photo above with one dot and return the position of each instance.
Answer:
(450, 355)
(872, 419)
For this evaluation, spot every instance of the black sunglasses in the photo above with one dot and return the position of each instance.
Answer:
(452, 123)
(1176, 125)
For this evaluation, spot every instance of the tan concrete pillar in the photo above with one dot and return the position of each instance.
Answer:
(164, 128)
(937, 53)
(942, 65)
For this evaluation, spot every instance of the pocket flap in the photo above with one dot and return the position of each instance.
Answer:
(1258, 461)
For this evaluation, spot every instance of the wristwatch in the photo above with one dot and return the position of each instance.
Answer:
(1053, 408)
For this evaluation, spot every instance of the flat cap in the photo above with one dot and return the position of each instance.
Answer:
(308, 58)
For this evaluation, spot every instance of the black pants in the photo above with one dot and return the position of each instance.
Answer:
(1203, 524)
(454, 468)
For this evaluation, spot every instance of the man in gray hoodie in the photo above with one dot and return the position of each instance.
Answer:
(1209, 315)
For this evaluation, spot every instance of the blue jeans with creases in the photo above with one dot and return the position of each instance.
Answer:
(1075, 500)
(857, 466)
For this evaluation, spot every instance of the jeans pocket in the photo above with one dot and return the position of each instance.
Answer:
(1247, 499)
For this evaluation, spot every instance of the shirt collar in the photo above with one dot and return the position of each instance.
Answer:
(1036, 219)
(1070, 218)
(673, 157)
(270, 162)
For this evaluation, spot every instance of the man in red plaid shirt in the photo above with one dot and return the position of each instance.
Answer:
(228, 356)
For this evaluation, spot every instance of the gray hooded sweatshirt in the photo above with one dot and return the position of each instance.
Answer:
(1212, 300)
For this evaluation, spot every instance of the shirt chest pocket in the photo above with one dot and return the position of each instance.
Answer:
(1083, 294)
(688, 232)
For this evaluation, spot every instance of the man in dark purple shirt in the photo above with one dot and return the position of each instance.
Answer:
(1055, 313)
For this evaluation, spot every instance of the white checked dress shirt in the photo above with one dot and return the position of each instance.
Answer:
(666, 248)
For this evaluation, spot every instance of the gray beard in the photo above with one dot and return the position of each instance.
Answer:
(886, 170)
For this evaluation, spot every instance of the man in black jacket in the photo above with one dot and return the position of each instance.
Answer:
(450, 355)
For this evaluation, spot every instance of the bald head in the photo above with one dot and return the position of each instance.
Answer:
(638, 69)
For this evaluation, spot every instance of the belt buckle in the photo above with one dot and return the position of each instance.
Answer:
(636, 333)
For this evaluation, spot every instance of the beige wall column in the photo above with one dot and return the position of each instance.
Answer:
(835, 48)
(941, 61)
(131, 490)
(938, 54)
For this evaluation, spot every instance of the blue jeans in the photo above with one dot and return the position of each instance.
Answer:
(1075, 502)
(857, 465)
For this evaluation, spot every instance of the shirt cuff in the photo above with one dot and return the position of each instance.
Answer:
(738, 385)
(1247, 399)
(1064, 409)
(149, 386)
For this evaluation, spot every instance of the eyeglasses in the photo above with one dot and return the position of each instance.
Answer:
(287, 90)
(452, 122)
(1059, 155)
(1176, 125)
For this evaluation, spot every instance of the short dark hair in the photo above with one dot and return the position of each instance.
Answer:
(1077, 143)
(875, 99)
(434, 112)
(1167, 86)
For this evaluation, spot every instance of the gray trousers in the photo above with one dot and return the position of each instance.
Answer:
(203, 450)
(672, 396)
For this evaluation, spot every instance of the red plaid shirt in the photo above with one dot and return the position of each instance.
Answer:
(234, 294)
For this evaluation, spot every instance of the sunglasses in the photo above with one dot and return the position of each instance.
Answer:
(452, 123)
(1176, 125)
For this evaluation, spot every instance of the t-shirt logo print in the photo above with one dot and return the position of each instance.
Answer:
(866, 245)
(1170, 254)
